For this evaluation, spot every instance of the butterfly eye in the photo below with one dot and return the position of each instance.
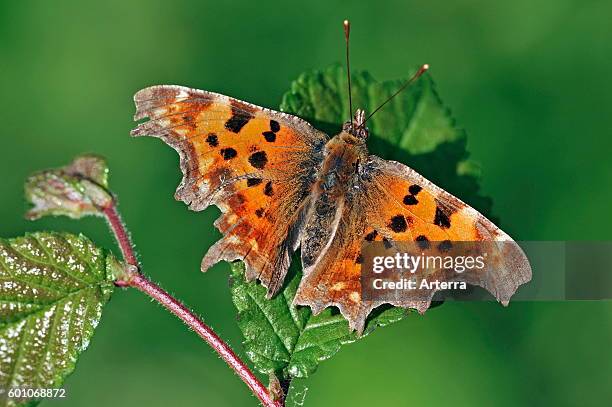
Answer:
(362, 133)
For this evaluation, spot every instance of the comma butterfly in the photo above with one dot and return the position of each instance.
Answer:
(281, 184)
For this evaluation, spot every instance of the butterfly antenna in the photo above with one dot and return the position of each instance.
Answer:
(416, 76)
(347, 32)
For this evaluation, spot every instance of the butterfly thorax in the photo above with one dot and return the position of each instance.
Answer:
(342, 156)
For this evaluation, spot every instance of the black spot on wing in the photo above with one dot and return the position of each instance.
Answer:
(441, 219)
(274, 126)
(414, 189)
(445, 245)
(423, 242)
(259, 212)
(398, 224)
(268, 189)
(240, 117)
(269, 136)
(228, 153)
(258, 159)
(212, 140)
(371, 236)
(251, 182)
(387, 243)
(410, 200)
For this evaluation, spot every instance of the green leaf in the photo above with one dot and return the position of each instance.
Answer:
(77, 190)
(287, 340)
(52, 290)
(414, 128)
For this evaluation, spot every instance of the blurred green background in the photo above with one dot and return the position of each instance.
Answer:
(529, 80)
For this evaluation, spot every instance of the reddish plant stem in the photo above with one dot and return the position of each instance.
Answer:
(121, 234)
(136, 280)
(205, 332)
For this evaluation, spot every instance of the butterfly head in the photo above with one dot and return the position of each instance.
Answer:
(356, 127)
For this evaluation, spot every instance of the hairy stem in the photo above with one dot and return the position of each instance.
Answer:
(121, 234)
(135, 279)
(205, 332)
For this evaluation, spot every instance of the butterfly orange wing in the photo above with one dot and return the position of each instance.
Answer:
(398, 204)
(255, 164)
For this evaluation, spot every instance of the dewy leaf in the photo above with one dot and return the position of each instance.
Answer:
(76, 190)
(414, 128)
(52, 290)
(287, 340)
